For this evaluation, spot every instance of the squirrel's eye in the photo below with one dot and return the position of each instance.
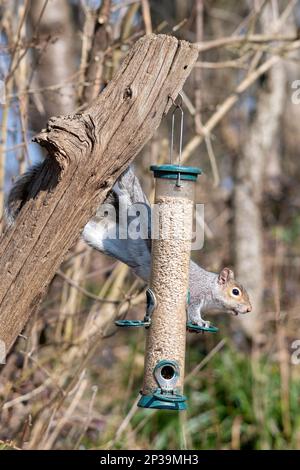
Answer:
(235, 291)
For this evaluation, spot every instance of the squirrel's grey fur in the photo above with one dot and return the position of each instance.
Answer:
(207, 290)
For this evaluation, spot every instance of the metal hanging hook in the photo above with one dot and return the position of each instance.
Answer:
(177, 107)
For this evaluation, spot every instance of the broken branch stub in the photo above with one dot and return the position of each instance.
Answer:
(87, 153)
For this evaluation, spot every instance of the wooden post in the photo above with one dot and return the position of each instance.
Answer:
(87, 153)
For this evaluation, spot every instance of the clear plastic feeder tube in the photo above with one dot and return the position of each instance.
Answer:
(172, 221)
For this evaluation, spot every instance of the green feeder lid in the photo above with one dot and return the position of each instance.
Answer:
(172, 171)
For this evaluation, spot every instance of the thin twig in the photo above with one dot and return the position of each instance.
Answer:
(126, 420)
(27, 396)
(213, 160)
(86, 292)
(229, 102)
(146, 16)
(197, 71)
(48, 442)
(89, 416)
(125, 3)
(205, 361)
(237, 40)
(235, 64)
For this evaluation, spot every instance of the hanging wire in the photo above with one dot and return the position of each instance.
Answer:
(177, 107)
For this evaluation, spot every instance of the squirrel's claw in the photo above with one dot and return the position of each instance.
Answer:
(201, 327)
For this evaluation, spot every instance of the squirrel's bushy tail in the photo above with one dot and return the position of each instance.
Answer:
(22, 190)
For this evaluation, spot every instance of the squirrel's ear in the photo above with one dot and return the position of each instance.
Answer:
(225, 275)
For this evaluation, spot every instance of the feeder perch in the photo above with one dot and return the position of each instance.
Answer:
(151, 303)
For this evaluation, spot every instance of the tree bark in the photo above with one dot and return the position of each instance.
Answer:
(87, 153)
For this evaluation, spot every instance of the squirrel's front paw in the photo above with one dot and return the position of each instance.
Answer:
(195, 318)
(196, 323)
(202, 323)
(199, 326)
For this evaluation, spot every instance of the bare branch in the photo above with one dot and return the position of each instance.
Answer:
(243, 39)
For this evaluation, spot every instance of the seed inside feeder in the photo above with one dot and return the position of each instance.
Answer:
(169, 282)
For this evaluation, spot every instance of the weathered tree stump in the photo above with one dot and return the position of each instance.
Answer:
(86, 154)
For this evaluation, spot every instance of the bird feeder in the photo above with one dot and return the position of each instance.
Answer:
(171, 247)
(168, 294)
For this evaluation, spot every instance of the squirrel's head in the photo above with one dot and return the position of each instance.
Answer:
(234, 297)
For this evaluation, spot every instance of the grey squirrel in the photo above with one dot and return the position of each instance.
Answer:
(208, 291)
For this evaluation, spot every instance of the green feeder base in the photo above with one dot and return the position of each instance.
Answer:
(163, 401)
(191, 327)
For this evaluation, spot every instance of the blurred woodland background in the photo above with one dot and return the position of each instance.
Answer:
(71, 380)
